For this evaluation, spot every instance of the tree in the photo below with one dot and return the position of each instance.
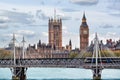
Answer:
(4, 54)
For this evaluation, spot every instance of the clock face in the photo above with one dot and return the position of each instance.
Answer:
(85, 32)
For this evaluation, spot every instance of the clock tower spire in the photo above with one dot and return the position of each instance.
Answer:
(84, 33)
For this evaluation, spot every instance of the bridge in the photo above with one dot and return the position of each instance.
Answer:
(96, 63)
(60, 62)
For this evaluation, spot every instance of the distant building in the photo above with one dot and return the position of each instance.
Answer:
(110, 45)
(41, 50)
(84, 34)
(69, 47)
(76, 50)
(113, 45)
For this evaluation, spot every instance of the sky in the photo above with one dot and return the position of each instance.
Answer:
(29, 18)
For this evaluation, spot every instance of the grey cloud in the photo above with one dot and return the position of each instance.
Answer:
(64, 17)
(2, 21)
(85, 2)
(117, 14)
(43, 25)
(106, 26)
(27, 33)
(114, 4)
(42, 2)
(77, 18)
(58, 2)
(17, 17)
(3, 26)
(13, 18)
(14, 9)
(118, 26)
(69, 10)
(41, 15)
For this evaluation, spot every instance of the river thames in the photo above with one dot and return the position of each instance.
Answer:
(61, 74)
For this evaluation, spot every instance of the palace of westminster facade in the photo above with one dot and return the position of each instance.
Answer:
(54, 48)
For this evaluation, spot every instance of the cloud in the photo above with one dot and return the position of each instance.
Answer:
(66, 18)
(114, 4)
(41, 15)
(37, 25)
(45, 34)
(105, 36)
(77, 19)
(65, 30)
(74, 38)
(85, 2)
(69, 10)
(3, 26)
(67, 35)
(115, 13)
(21, 33)
(3, 21)
(12, 18)
(42, 3)
(106, 26)
(27, 33)
(118, 26)
(63, 16)
(14, 9)
(111, 34)
(11, 35)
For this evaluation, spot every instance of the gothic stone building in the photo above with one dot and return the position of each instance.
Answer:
(55, 33)
(42, 50)
(84, 34)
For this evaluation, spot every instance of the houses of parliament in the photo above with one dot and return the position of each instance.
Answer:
(54, 48)
(55, 34)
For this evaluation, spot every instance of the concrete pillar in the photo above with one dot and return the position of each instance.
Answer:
(19, 73)
(98, 77)
(97, 74)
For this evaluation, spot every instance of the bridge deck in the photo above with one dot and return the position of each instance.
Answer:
(57, 62)
(44, 62)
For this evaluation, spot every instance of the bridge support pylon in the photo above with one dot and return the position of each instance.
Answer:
(97, 74)
(19, 73)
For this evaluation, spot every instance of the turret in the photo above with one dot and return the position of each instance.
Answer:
(84, 18)
(70, 44)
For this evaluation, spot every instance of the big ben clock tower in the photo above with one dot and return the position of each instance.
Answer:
(84, 34)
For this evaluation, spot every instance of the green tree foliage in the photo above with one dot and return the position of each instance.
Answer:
(86, 54)
(73, 55)
(4, 54)
(103, 53)
(106, 53)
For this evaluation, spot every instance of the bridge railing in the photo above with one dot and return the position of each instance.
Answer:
(49, 62)
(57, 62)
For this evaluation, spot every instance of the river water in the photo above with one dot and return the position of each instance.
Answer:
(61, 74)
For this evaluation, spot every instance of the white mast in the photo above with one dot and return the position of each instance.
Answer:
(23, 45)
(14, 48)
(96, 52)
(55, 15)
